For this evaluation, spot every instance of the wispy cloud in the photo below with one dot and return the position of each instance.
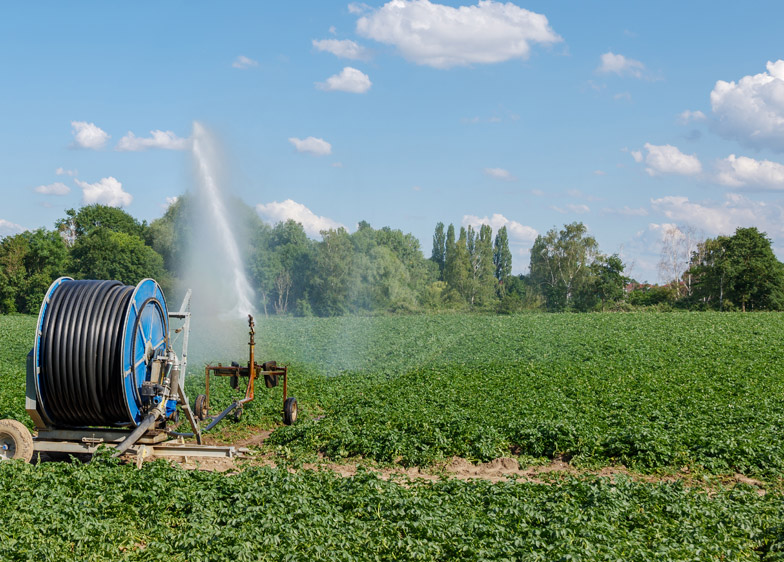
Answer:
(242, 62)
(499, 174)
(344, 48)
(688, 116)
(8, 228)
(610, 63)
(627, 211)
(166, 140)
(57, 188)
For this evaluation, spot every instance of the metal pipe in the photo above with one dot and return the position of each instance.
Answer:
(136, 434)
(214, 422)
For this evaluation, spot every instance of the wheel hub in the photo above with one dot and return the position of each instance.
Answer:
(7, 449)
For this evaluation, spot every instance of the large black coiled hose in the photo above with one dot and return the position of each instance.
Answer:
(81, 374)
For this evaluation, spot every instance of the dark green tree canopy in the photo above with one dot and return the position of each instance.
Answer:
(738, 271)
(106, 254)
(85, 220)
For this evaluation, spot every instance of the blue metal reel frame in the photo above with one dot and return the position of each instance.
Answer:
(145, 336)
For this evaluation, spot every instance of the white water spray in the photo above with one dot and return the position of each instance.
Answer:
(214, 206)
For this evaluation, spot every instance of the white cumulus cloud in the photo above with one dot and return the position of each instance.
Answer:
(8, 228)
(518, 233)
(621, 65)
(242, 62)
(349, 80)
(107, 191)
(722, 217)
(57, 188)
(63, 172)
(667, 159)
(499, 174)
(157, 139)
(312, 145)
(313, 224)
(88, 135)
(751, 110)
(443, 36)
(344, 48)
(742, 171)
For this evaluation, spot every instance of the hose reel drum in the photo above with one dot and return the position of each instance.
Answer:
(101, 354)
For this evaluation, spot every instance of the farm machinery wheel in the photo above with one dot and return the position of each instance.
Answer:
(15, 441)
(200, 407)
(290, 411)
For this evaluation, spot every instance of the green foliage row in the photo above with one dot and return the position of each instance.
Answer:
(104, 511)
(651, 391)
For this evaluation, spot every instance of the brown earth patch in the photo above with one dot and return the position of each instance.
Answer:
(497, 470)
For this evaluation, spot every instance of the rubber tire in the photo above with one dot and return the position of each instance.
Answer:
(16, 435)
(199, 409)
(271, 381)
(290, 411)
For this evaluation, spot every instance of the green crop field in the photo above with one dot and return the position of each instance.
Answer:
(665, 395)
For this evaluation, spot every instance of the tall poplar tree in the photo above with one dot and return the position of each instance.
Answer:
(456, 271)
(502, 257)
(482, 281)
(438, 254)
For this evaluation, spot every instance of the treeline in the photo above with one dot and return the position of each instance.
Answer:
(384, 270)
(738, 272)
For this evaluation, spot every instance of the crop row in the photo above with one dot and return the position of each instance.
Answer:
(104, 511)
(651, 391)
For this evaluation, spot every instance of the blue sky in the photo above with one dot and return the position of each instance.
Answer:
(634, 118)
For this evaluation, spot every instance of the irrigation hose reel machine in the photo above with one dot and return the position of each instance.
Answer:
(104, 371)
